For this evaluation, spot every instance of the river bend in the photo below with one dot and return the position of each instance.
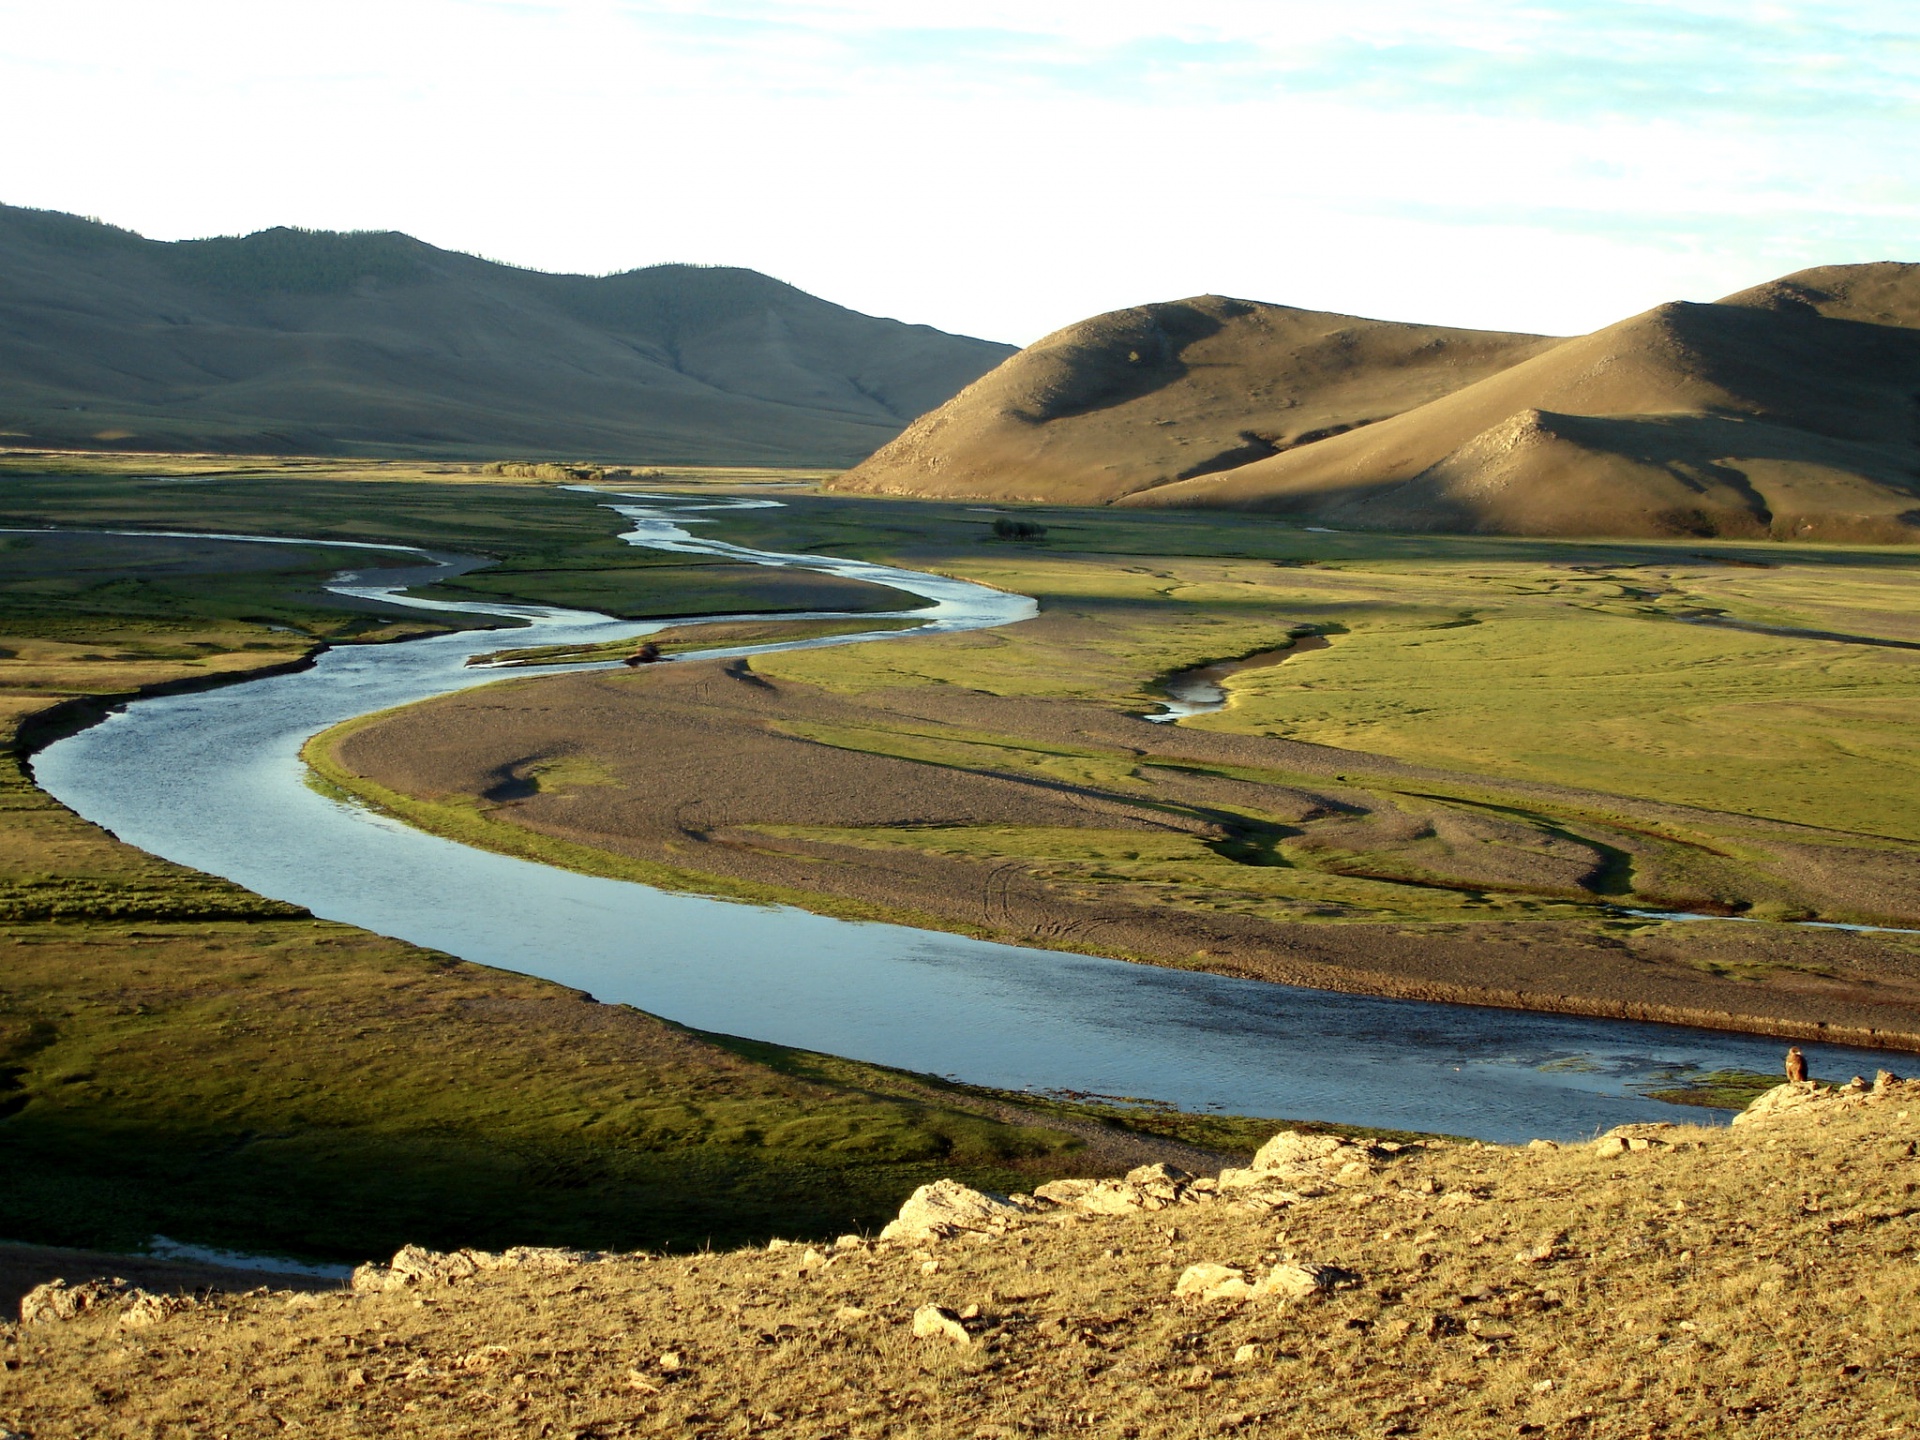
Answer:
(214, 780)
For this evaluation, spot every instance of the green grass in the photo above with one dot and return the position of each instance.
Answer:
(1560, 661)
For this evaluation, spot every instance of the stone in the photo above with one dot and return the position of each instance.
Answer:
(1542, 1145)
(1246, 1354)
(936, 1322)
(849, 1313)
(57, 1300)
(1064, 1192)
(1608, 1146)
(946, 1207)
(1292, 1150)
(148, 1309)
(1242, 1179)
(1296, 1282)
(1213, 1282)
(1109, 1198)
(850, 1242)
(1782, 1100)
(671, 1361)
(812, 1259)
(1159, 1174)
(1885, 1080)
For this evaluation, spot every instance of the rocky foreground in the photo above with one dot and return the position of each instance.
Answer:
(1663, 1280)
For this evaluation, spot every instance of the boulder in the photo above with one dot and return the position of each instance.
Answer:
(1296, 1282)
(1782, 1100)
(1291, 1150)
(57, 1300)
(1213, 1282)
(1064, 1192)
(1115, 1198)
(936, 1322)
(946, 1207)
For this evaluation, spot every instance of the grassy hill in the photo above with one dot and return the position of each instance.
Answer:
(293, 341)
(1785, 412)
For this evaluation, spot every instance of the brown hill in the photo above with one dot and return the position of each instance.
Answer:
(318, 342)
(1788, 410)
(1143, 397)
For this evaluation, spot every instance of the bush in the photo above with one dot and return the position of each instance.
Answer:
(1005, 529)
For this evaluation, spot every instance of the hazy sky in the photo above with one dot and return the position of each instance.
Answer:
(1002, 167)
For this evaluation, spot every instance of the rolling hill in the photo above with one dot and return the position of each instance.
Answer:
(1791, 410)
(1142, 398)
(322, 342)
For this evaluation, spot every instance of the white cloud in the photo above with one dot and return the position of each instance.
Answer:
(1005, 167)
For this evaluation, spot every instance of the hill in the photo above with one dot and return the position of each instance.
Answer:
(320, 342)
(1786, 411)
(1141, 398)
(1664, 1280)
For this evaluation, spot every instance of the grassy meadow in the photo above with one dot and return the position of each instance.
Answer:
(181, 1057)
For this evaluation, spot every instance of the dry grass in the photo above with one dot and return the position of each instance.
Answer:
(1758, 1281)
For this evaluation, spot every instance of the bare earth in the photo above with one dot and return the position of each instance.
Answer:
(702, 765)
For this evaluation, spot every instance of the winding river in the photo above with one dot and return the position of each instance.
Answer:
(214, 780)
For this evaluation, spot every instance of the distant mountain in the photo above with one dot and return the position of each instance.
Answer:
(321, 342)
(1791, 410)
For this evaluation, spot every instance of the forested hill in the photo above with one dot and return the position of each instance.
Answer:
(324, 342)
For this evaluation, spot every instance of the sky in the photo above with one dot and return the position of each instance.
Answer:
(1006, 167)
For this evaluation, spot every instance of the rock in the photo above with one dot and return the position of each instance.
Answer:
(936, 1322)
(1857, 1084)
(850, 1242)
(1213, 1282)
(1609, 1145)
(531, 1257)
(1064, 1192)
(1242, 1179)
(1296, 1282)
(1885, 1080)
(947, 1206)
(1246, 1354)
(1542, 1145)
(1110, 1198)
(1291, 1150)
(1160, 1174)
(57, 1300)
(1781, 1100)
(849, 1313)
(148, 1309)
(671, 1361)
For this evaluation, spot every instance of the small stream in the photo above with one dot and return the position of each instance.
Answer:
(213, 780)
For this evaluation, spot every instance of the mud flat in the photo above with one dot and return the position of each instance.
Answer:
(895, 805)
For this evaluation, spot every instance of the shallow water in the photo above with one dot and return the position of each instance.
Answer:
(213, 780)
(1203, 689)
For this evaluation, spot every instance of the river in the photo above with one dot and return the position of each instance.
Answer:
(213, 780)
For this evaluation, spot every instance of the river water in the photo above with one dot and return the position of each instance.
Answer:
(213, 780)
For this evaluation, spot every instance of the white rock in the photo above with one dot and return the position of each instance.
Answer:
(1781, 1100)
(1295, 1282)
(945, 1207)
(1292, 1150)
(1112, 1198)
(936, 1322)
(1213, 1282)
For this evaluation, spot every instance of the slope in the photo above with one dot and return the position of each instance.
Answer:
(1138, 398)
(1788, 410)
(290, 340)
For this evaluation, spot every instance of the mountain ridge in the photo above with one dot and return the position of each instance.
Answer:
(373, 341)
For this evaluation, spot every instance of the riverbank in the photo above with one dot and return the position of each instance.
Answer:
(182, 1057)
(1069, 826)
